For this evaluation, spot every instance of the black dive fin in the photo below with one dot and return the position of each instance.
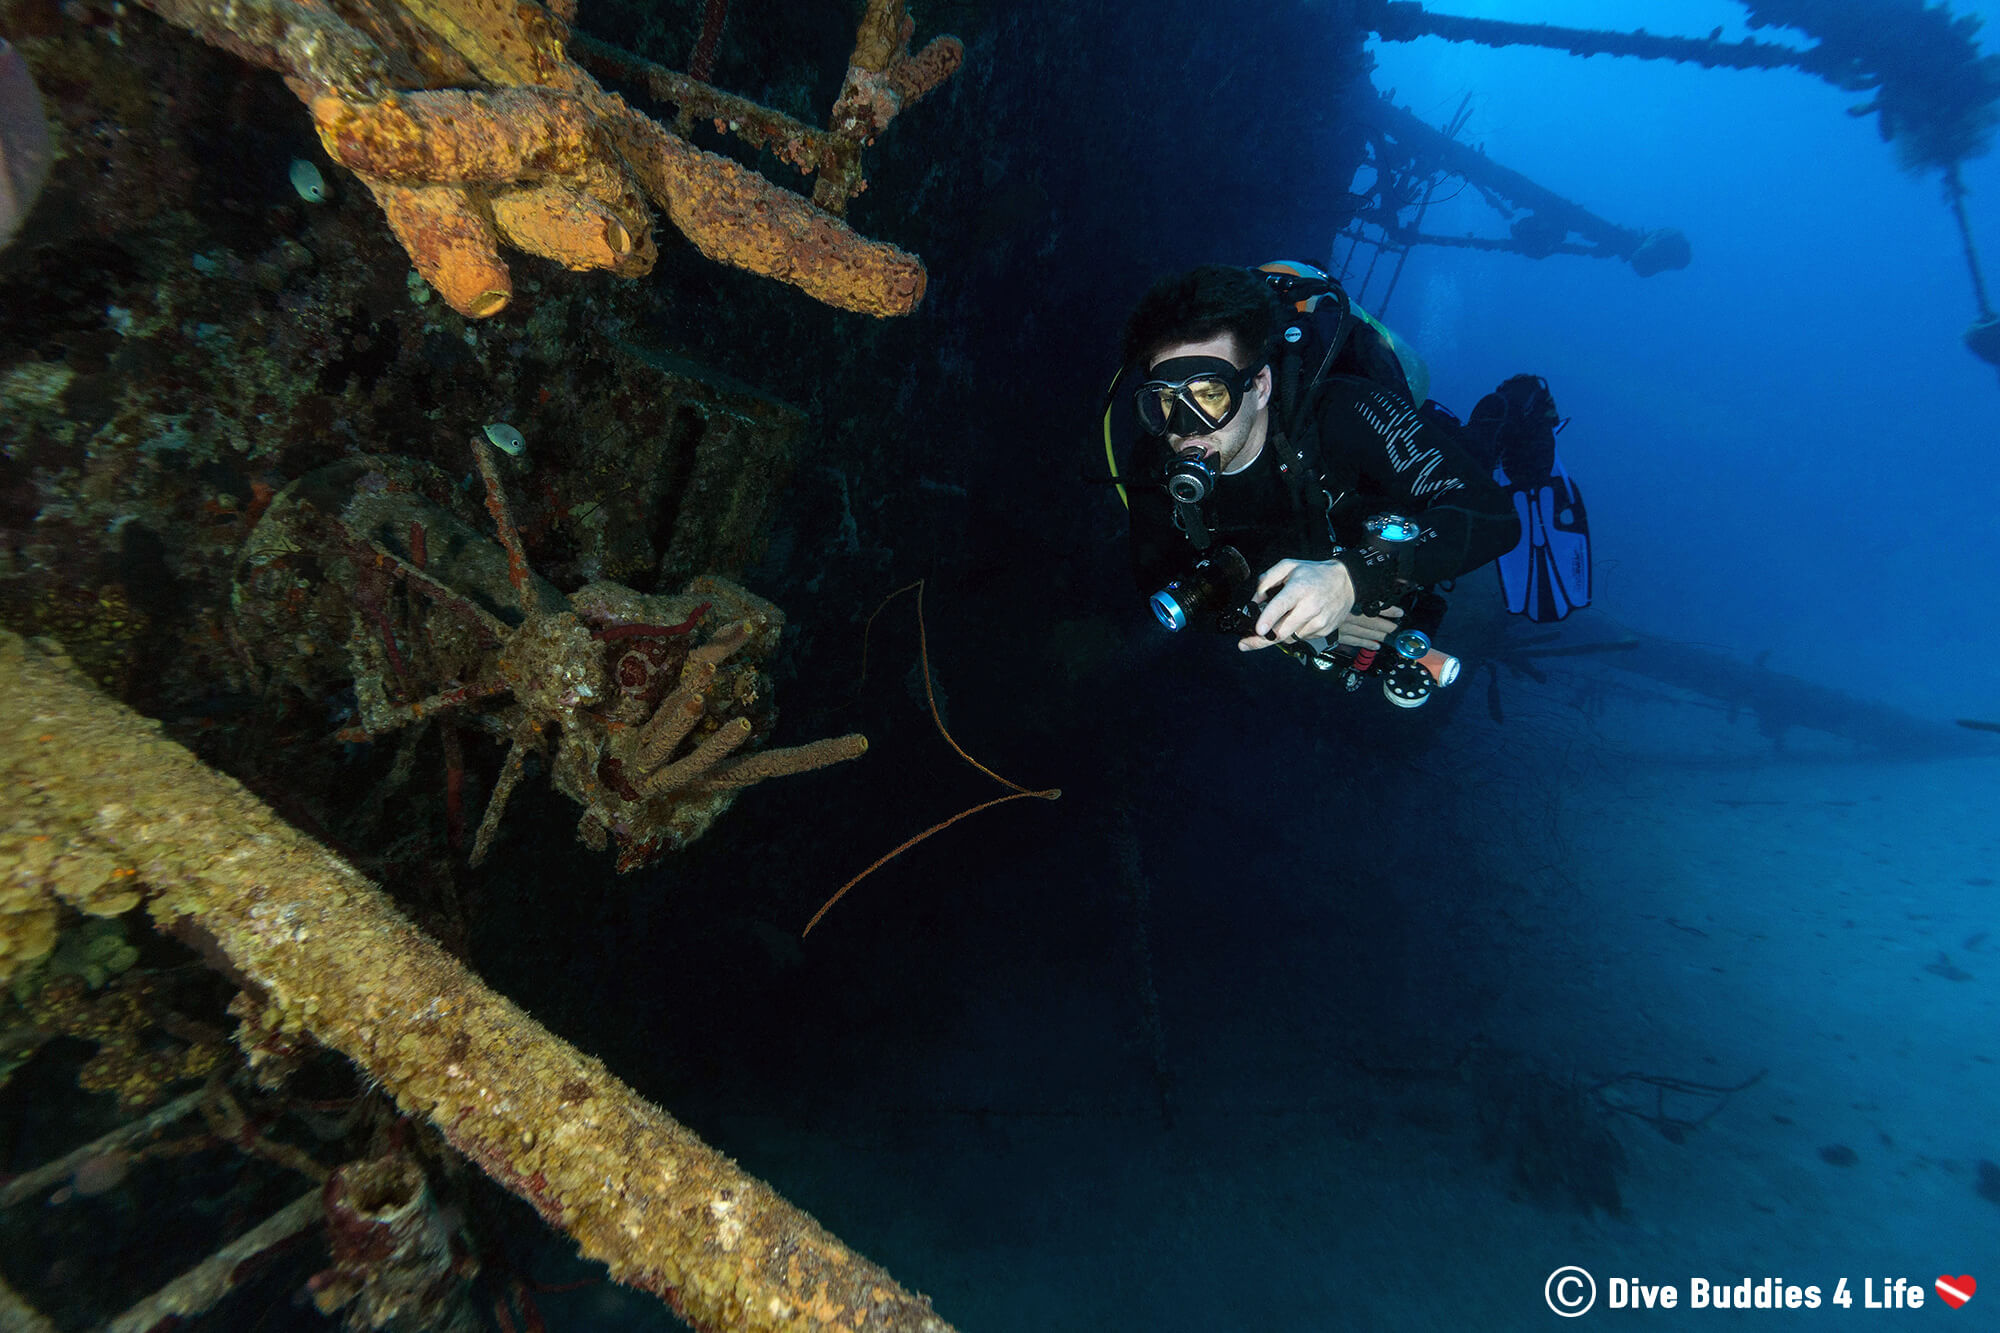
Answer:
(1547, 575)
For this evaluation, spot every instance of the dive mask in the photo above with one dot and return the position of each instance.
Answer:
(1192, 395)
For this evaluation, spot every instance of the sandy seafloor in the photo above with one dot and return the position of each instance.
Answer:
(1701, 909)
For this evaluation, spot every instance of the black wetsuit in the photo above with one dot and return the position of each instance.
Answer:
(1374, 455)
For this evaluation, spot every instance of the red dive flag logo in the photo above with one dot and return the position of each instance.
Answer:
(1956, 1290)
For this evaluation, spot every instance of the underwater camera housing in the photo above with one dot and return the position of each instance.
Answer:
(1412, 668)
(1409, 665)
(1213, 597)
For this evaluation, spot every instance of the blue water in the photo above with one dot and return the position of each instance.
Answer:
(1296, 1012)
(1362, 966)
(1786, 447)
(1298, 1016)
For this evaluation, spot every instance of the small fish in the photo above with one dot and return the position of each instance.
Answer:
(308, 182)
(1947, 969)
(1989, 1181)
(506, 439)
(24, 142)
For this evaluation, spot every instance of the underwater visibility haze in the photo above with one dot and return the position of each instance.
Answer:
(580, 749)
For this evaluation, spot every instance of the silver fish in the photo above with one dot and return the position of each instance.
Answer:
(506, 439)
(308, 182)
(24, 142)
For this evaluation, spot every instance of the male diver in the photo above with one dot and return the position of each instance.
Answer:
(1343, 498)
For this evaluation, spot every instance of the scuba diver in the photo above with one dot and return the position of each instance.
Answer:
(1512, 432)
(1283, 485)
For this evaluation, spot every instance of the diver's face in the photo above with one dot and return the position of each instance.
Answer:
(1237, 442)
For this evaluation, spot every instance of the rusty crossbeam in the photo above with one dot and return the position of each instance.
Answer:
(102, 812)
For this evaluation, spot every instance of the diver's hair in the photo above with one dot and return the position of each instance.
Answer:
(1201, 303)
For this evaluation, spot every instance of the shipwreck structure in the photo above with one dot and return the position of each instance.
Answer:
(279, 625)
(475, 132)
(1933, 91)
(105, 815)
(471, 125)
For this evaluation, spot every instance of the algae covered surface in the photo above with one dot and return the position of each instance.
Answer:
(105, 812)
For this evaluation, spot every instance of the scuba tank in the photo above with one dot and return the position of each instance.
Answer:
(1346, 339)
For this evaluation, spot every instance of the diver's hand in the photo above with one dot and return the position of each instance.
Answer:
(1370, 631)
(1303, 599)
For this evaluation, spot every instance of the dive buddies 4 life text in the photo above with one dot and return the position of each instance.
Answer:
(1572, 1291)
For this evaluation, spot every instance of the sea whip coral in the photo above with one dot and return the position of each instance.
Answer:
(712, 21)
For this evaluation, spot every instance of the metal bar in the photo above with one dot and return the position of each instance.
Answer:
(49, 1174)
(137, 816)
(1406, 21)
(198, 1290)
(1954, 189)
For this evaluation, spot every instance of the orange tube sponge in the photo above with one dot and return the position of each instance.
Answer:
(451, 241)
(883, 77)
(508, 41)
(912, 78)
(491, 137)
(784, 762)
(573, 229)
(578, 207)
(735, 216)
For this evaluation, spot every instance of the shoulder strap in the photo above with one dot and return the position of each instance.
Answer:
(1343, 328)
(1297, 455)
